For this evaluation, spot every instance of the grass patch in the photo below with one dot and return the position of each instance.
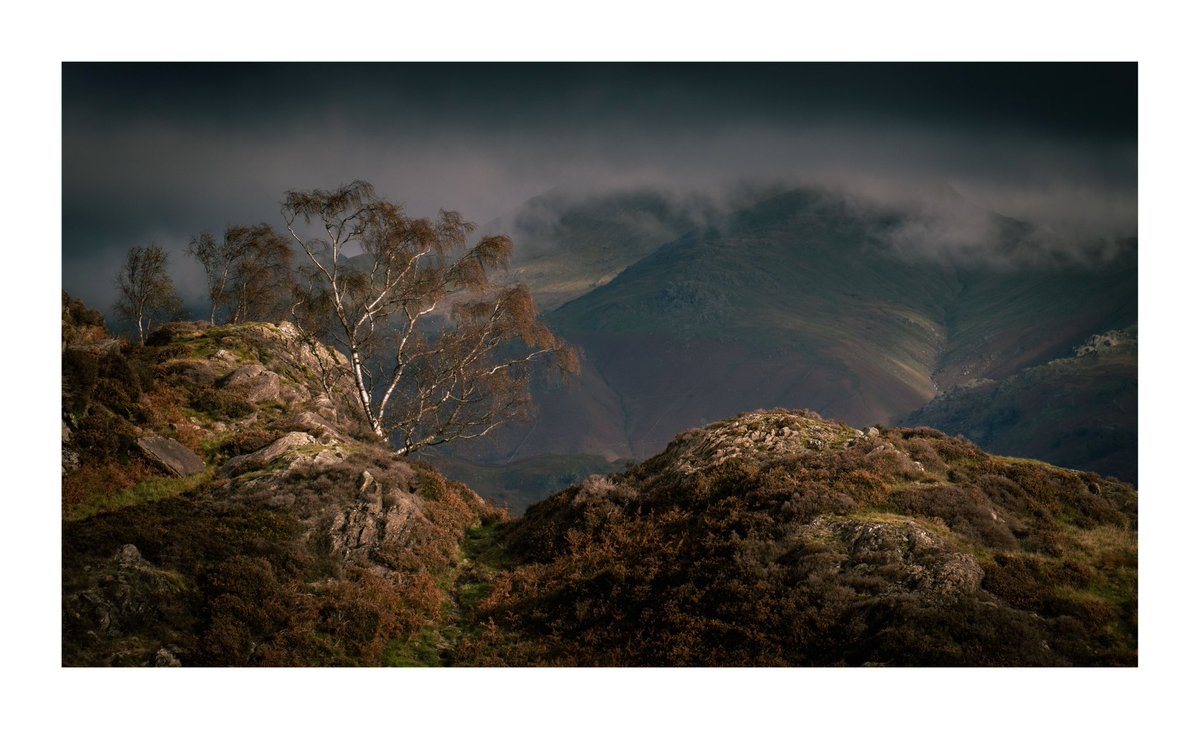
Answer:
(425, 648)
(482, 546)
(151, 489)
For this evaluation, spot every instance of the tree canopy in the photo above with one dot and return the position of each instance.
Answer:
(435, 350)
(144, 290)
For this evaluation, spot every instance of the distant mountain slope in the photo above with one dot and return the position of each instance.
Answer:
(793, 302)
(779, 538)
(1079, 411)
(1003, 321)
(568, 245)
(800, 300)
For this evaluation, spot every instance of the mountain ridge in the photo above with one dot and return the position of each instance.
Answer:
(805, 299)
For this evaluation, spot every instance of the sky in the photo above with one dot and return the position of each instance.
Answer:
(156, 153)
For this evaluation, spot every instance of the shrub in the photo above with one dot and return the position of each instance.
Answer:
(248, 441)
(94, 481)
(221, 404)
(965, 510)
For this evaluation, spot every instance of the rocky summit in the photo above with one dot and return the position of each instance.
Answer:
(223, 505)
(779, 538)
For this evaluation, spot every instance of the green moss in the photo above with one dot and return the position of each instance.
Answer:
(151, 489)
(422, 649)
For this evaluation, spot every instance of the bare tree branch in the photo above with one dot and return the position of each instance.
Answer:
(434, 353)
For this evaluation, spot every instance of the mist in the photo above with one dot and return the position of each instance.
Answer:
(167, 168)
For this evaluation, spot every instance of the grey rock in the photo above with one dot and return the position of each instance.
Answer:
(289, 442)
(368, 487)
(166, 659)
(242, 375)
(171, 455)
(254, 380)
(313, 422)
(128, 556)
(395, 518)
(325, 408)
(263, 456)
(958, 574)
(70, 460)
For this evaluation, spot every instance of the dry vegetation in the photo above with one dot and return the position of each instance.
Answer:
(239, 565)
(903, 548)
(775, 538)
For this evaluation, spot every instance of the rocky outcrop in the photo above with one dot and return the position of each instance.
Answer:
(311, 422)
(254, 381)
(170, 455)
(263, 456)
(910, 557)
(758, 436)
(309, 542)
(82, 327)
(779, 538)
(381, 517)
(124, 604)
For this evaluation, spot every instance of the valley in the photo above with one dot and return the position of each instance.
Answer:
(800, 299)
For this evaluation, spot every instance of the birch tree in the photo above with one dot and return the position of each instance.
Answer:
(144, 290)
(247, 272)
(435, 351)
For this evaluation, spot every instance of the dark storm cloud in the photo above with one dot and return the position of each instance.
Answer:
(160, 152)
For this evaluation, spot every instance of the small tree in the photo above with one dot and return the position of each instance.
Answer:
(248, 272)
(435, 355)
(145, 291)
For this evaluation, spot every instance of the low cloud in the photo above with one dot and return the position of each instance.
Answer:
(154, 182)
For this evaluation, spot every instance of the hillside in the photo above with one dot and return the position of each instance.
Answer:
(220, 509)
(779, 538)
(1078, 411)
(571, 244)
(802, 300)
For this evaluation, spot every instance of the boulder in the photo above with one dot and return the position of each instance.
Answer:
(70, 460)
(257, 382)
(315, 423)
(165, 658)
(242, 375)
(170, 455)
(263, 456)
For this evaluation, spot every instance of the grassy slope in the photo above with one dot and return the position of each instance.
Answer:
(794, 302)
(1079, 412)
(1003, 322)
